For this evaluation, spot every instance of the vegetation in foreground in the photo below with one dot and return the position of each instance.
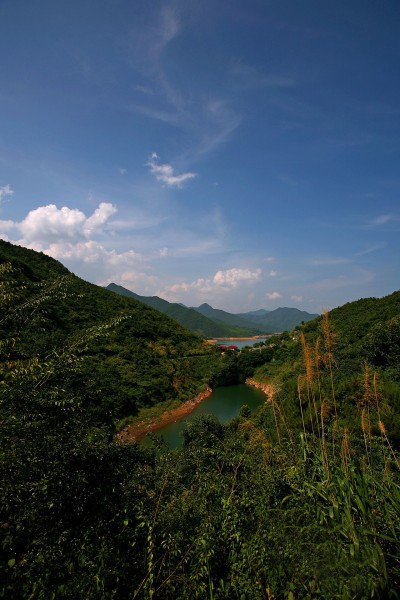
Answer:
(302, 500)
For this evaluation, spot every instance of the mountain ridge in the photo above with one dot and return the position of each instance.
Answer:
(213, 322)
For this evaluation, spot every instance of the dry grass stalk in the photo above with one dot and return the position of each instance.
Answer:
(299, 382)
(324, 413)
(367, 385)
(365, 421)
(310, 381)
(375, 387)
(318, 360)
(271, 399)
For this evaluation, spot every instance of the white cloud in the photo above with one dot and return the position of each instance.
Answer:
(50, 225)
(5, 191)
(232, 277)
(204, 286)
(98, 218)
(67, 234)
(273, 273)
(221, 283)
(165, 173)
(273, 295)
(296, 298)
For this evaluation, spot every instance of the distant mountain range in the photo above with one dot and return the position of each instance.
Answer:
(212, 322)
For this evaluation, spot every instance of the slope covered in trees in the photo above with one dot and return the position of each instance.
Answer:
(145, 358)
(280, 319)
(267, 507)
(187, 317)
(350, 356)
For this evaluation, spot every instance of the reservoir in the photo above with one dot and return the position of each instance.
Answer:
(225, 403)
(240, 342)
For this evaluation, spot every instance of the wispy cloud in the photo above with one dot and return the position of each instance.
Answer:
(165, 173)
(384, 219)
(165, 29)
(219, 123)
(207, 119)
(5, 193)
(296, 298)
(251, 76)
(330, 261)
(371, 249)
(200, 248)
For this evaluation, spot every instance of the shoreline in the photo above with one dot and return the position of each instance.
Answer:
(136, 431)
(266, 388)
(232, 339)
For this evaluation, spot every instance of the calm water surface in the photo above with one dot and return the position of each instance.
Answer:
(240, 343)
(225, 403)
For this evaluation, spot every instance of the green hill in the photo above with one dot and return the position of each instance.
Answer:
(187, 317)
(298, 500)
(353, 358)
(280, 319)
(228, 319)
(259, 321)
(192, 319)
(143, 358)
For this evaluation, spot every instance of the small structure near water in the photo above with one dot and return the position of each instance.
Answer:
(225, 348)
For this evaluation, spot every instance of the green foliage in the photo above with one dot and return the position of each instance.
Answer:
(362, 362)
(259, 509)
(146, 357)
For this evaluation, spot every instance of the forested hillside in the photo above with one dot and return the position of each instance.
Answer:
(139, 357)
(187, 317)
(299, 500)
(359, 343)
(280, 319)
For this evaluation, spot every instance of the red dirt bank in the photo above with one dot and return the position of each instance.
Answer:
(135, 431)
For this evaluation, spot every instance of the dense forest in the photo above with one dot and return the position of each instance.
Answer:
(299, 500)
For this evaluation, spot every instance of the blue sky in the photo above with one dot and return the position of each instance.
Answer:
(244, 154)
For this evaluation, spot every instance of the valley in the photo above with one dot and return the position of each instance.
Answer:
(238, 503)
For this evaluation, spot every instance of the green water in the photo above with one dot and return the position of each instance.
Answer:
(241, 343)
(225, 403)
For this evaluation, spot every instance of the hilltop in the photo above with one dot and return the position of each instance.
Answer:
(239, 510)
(212, 322)
(143, 357)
